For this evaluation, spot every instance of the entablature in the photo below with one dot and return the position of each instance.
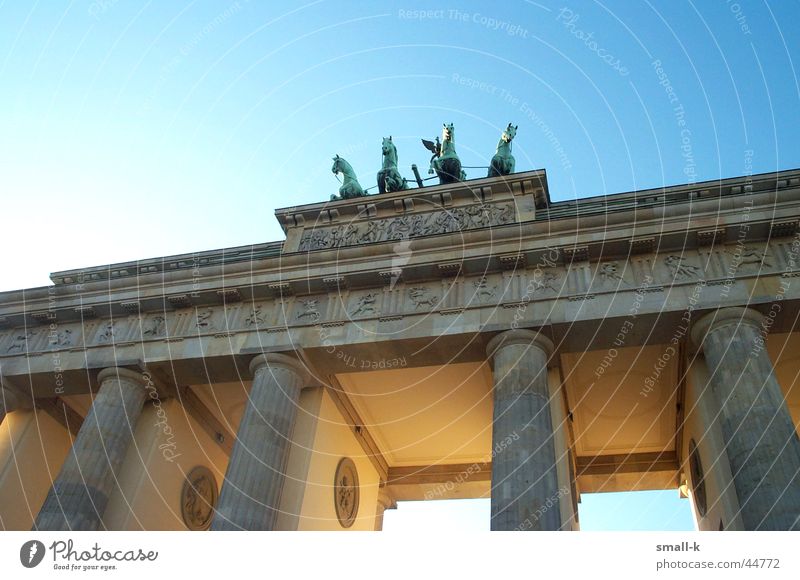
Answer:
(749, 214)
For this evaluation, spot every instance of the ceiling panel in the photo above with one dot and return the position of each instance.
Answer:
(426, 415)
(625, 403)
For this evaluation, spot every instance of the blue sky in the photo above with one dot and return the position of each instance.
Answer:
(138, 129)
(639, 511)
(189, 123)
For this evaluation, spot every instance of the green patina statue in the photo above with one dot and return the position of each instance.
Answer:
(389, 178)
(503, 162)
(445, 161)
(350, 186)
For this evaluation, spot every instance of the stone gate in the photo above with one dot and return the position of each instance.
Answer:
(466, 340)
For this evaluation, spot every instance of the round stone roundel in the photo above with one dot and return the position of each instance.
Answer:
(346, 492)
(199, 498)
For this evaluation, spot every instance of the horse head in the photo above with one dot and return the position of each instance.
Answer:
(448, 132)
(338, 165)
(387, 147)
(509, 133)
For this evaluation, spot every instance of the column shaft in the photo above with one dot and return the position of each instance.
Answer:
(760, 437)
(80, 493)
(251, 493)
(524, 477)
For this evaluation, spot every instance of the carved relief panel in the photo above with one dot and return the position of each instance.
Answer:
(408, 226)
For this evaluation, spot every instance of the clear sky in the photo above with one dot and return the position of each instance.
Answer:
(138, 129)
(639, 511)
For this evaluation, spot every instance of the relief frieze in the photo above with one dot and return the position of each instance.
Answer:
(681, 268)
(61, 338)
(483, 290)
(19, 342)
(205, 320)
(408, 226)
(422, 296)
(366, 305)
(107, 332)
(154, 327)
(611, 273)
(544, 280)
(308, 310)
(256, 316)
(449, 296)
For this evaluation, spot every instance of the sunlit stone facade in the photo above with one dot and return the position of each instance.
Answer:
(466, 340)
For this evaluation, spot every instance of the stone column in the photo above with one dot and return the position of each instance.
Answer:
(759, 436)
(251, 493)
(524, 477)
(385, 502)
(80, 493)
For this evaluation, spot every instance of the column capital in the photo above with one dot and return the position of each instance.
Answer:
(141, 378)
(386, 500)
(520, 336)
(273, 359)
(733, 315)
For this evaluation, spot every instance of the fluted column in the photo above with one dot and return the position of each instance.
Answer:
(251, 493)
(80, 493)
(385, 502)
(759, 436)
(524, 478)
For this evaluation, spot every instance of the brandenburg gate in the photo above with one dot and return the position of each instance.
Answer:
(463, 340)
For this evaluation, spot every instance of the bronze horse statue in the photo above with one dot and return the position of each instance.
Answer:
(389, 178)
(445, 161)
(503, 162)
(350, 186)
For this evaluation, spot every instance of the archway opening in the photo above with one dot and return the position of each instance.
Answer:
(660, 510)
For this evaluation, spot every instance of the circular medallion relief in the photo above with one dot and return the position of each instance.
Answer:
(346, 492)
(199, 498)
